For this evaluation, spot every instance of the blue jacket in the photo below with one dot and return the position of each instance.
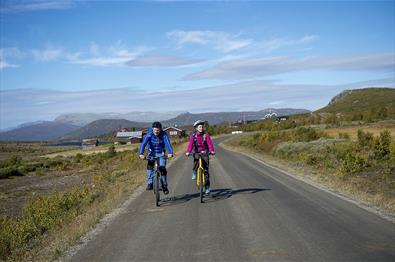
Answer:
(156, 144)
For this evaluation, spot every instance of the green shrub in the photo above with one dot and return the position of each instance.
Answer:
(78, 157)
(365, 139)
(111, 151)
(382, 145)
(352, 163)
(11, 161)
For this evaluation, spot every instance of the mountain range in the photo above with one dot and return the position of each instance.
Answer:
(77, 126)
(82, 119)
(43, 131)
(84, 125)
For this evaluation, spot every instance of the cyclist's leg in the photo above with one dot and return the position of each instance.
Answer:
(205, 162)
(195, 167)
(163, 171)
(150, 174)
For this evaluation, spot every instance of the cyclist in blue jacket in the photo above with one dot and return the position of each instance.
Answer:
(157, 141)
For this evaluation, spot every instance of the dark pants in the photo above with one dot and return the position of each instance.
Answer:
(205, 164)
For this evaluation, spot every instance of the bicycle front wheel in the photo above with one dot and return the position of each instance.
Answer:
(156, 188)
(201, 186)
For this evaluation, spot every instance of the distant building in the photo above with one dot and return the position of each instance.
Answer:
(130, 136)
(282, 118)
(237, 132)
(90, 142)
(174, 132)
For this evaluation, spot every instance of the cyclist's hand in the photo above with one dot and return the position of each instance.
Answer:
(142, 157)
(213, 153)
(169, 155)
(187, 153)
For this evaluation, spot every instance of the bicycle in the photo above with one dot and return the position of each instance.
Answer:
(200, 179)
(157, 177)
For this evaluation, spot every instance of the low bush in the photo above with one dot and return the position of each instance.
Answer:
(40, 216)
(382, 145)
(352, 163)
(10, 171)
(365, 140)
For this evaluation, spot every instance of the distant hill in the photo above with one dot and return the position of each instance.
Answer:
(361, 100)
(82, 119)
(62, 129)
(102, 127)
(42, 131)
(221, 117)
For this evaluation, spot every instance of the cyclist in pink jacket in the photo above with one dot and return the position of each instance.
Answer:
(200, 142)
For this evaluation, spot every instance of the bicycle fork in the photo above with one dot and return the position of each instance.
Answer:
(201, 173)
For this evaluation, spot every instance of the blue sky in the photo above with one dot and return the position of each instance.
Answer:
(242, 55)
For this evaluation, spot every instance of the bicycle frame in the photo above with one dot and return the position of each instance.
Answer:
(156, 179)
(200, 179)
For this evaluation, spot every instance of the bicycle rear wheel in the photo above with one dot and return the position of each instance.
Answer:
(156, 188)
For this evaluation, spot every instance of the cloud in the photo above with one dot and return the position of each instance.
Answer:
(48, 54)
(249, 68)
(29, 5)
(27, 105)
(117, 54)
(277, 43)
(4, 64)
(9, 53)
(221, 41)
(161, 61)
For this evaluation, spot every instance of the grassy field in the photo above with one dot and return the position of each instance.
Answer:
(30, 150)
(353, 131)
(54, 200)
(94, 150)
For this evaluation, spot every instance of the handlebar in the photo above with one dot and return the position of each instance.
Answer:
(154, 158)
(203, 153)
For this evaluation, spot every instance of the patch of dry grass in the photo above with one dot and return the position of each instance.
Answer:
(94, 150)
(353, 131)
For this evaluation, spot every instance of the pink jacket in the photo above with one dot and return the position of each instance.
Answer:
(200, 143)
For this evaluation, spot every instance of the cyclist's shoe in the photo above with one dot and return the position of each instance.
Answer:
(193, 175)
(207, 190)
(149, 187)
(165, 190)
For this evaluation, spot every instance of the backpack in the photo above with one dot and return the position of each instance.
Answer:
(194, 134)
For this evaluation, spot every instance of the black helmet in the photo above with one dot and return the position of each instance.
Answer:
(157, 124)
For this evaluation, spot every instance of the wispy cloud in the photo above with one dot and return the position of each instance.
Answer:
(9, 53)
(36, 5)
(117, 54)
(4, 64)
(277, 43)
(249, 68)
(221, 41)
(162, 61)
(48, 54)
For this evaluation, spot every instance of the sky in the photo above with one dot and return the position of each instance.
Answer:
(59, 57)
